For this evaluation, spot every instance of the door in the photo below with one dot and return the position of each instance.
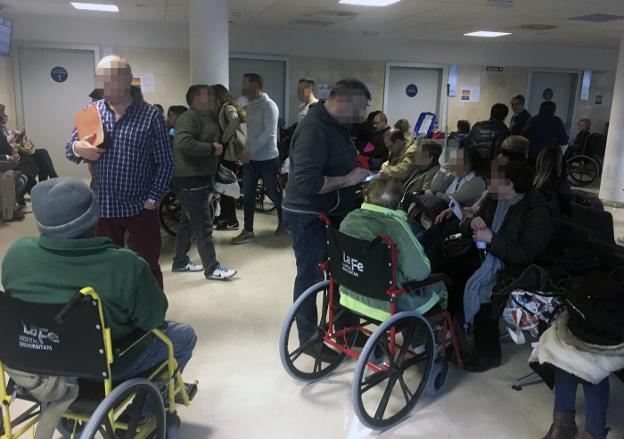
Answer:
(55, 85)
(273, 73)
(559, 87)
(411, 91)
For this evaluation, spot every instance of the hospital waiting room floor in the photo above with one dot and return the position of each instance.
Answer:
(245, 393)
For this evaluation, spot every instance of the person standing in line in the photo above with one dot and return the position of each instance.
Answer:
(544, 130)
(196, 153)
(520, 116)
(324, 178)
(305, 94)
(261, 161)
(132, 168)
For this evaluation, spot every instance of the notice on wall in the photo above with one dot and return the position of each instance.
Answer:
(322, 91)
(601, 100)
(145, 81)
(470, 93)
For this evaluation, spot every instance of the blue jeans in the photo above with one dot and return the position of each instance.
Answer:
(183, 338)
(596, 400)
(266, 170)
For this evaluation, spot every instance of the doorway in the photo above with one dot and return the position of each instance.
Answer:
(54, 84)
(558, 87)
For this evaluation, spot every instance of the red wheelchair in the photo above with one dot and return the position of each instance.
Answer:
(401, 358)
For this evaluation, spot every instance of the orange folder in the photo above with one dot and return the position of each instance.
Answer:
(87, 122)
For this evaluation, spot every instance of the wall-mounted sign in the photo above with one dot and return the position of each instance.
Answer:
(59, 74)
(470, 93)
(494, 69)
(411, 90)
(548, 94)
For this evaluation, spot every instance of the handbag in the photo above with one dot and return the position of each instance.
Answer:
(457, 245)
(26, 146)
(530, 312)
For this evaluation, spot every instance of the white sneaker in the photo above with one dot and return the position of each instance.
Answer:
(188, 267)
(222, 273)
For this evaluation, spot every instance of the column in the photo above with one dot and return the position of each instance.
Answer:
(209, 41)
(612, 184)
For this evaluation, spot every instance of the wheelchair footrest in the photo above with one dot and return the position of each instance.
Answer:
(191, 391)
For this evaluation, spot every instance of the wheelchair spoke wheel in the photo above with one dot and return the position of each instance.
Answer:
(170, 213)
(392, 372)
(262, 202)
(138, 408)
(304, 352)
(583, 170)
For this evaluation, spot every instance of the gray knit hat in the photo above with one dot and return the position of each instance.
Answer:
(64, 207)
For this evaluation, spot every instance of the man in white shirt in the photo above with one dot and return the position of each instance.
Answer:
(261, 159)
(305, 93)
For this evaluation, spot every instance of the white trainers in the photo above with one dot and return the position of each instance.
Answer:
(188, 267)
(222, 273)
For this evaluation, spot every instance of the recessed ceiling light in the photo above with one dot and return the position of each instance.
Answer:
(369, 2)
(487, 34)
(95, 7)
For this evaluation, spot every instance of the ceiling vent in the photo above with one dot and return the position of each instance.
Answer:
(310, 23)
(333, 15)
(537, 27)
(598, 18)
(500, 3)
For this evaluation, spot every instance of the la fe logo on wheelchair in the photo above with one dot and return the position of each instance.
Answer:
(351, 265)
(36, 338)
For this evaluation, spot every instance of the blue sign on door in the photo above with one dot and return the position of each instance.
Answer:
(59, 74)
(411, 90)
(548, 94)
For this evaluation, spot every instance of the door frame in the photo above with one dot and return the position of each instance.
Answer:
(17, 72)
(286, 61)
(577, 92)
(443, 92)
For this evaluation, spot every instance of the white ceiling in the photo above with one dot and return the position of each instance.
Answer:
(417, 19)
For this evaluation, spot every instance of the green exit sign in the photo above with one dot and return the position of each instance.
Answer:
(495, 69)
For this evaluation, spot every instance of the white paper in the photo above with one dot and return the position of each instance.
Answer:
(469, 93)
(147, 81)
(322, 91)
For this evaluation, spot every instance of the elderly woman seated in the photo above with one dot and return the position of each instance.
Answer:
(379, 215)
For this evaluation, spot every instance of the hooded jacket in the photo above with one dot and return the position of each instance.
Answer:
(321, 147)
(487, 137)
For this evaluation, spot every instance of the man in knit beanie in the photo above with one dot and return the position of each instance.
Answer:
(67, 257)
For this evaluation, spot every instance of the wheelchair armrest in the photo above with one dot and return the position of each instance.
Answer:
(129, 342)
(434, 278)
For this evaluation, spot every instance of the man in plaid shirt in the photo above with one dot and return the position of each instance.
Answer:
(132, 168)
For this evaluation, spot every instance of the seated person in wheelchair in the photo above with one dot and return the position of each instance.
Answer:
(67, 257)
(380, 215)
(514, 226)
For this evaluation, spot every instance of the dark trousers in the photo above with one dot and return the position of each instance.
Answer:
(596, 400)
(433, 239)
(44, 166)
(486, 333)
(228, 204)
(266, 170)
(143, 236)
(197, 219)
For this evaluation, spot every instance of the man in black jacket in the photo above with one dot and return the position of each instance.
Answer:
(487, 136)
(520, 115)
(323, 181)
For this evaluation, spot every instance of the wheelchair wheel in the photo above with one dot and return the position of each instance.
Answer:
(386, 387)
(170, 213)
(583, 170)
(263, 202)
(67, 427)
(137, 397)
(437, 382)
(311, 359)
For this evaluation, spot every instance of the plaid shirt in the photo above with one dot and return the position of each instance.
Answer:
(137, 164)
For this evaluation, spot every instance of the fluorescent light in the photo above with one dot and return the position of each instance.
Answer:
(95, 7)
(369, 2)
(487, 34)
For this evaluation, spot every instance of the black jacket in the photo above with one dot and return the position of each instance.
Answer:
(525, 233)
(518, 122)
(487, 137)
(321, 147)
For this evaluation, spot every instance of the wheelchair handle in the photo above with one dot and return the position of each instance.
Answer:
(60, 317)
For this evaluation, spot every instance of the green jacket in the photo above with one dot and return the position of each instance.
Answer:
(193, 149)
(49, 270)
(371, 221)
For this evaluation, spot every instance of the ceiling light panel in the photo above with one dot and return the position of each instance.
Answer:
(487, 34)
(99, 7)
(376, 3)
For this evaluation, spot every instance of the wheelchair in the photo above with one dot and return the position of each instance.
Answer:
(72, 340)
(170, 213)
(584, 164)
(404, 357)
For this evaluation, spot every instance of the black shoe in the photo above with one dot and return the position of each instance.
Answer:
(224, 225)
(327, 354)
(482, 363)
(21, 201)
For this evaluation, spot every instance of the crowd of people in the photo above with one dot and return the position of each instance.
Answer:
(499, 192)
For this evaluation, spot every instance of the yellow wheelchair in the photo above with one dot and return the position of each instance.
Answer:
(72, 340)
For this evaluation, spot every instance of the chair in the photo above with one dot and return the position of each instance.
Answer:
(72, 340)
(399, 360)
(425, 125)
(598, 223)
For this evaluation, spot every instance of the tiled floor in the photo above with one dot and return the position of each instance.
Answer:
(245, 393)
